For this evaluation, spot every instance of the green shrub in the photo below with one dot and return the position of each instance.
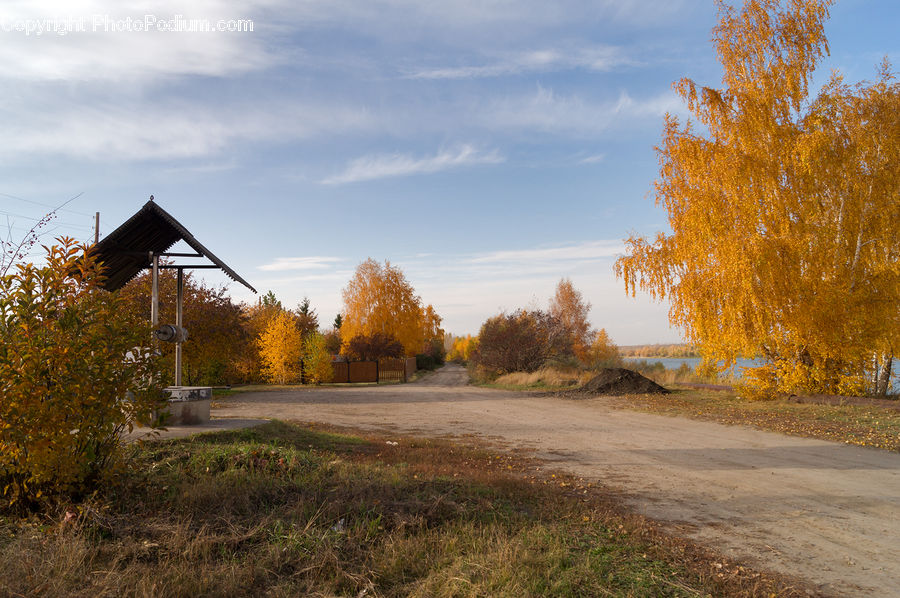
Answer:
(425, 362)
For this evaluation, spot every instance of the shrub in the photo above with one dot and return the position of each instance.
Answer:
(425, 362)
(521, 342)
(75, 372)
(316, 359)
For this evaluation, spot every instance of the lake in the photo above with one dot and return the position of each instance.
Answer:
(673, 363)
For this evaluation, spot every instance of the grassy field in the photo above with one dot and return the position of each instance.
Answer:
(864, 425)
(288, 510)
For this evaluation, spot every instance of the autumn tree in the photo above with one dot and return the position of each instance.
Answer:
(379, 299)
(569, 306)
(602, 352)
(784, 212)
(256, 318)
(433, 347)
(521, 341)
(333, 341)
(307, 318)
(372, 347)
(462, 348)
(281, 349)
(316, 359)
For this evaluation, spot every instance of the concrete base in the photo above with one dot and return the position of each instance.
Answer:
(189, 405)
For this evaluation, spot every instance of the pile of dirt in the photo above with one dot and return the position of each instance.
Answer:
(619, 381)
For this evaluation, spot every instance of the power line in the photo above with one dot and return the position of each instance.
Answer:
(46, 205)
(13, 214)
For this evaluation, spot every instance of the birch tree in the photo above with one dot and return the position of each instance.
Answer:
(784, 211)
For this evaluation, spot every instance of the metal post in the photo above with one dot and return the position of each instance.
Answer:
(179, 321)
(154, 291)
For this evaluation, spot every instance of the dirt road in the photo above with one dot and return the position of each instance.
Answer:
(826, 512)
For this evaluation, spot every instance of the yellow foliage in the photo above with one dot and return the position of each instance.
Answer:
(785, 213)
(75, 372)
(462, 348)
(280, 349)
(602, 350)
(569, 306)
(380, 299)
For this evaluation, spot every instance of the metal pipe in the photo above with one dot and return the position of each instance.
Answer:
(179, 321)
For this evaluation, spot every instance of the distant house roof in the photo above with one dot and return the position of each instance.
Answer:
(126, 251)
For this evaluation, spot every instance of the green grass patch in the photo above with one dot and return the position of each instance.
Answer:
(863, 425)
(288, 510)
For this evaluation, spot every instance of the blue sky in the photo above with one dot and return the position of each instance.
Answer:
(487, 147)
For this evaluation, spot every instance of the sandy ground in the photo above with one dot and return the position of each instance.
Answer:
(823, 511)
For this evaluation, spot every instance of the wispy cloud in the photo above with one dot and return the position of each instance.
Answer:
(601, 58)
(589, 250)
(171, 129)
(93, 49)
(574, 114)
(595, 159)
(300, 263)
(380, 166)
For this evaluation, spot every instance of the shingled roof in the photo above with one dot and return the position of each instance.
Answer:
(125, 252)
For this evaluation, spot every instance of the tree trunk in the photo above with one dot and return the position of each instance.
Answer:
(882, 384)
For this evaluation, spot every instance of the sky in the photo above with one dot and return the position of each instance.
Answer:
(486, 147)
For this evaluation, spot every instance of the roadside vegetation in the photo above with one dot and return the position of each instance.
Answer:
(537, 347)
(286, 510)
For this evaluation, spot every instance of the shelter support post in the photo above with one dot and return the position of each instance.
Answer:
(179, 321)
(154, 291)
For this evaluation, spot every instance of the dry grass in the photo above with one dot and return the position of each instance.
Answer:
(544, 378)
(657, 372)
(286, 510)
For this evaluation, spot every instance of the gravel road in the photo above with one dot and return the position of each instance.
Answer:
(823, 511)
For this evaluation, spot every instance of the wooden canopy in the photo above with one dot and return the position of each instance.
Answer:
(127, 250)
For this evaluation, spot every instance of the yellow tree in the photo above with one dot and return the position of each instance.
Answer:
(432, 333)
(602, 352)
(256, 318)
(572, 310)
(281, 348)
(316, 359)
(462, 348)
(380, 299)
(785, 213)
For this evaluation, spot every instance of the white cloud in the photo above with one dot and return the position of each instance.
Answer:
(300, 263)
(590, 250)
(90, 51)
(160, 130)
(601, 58)
(380, 166)
(595, 159)
(547, 111)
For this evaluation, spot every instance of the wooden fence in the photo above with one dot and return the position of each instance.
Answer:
(384, 370)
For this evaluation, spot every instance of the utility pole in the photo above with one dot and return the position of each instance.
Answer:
(96, 227)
